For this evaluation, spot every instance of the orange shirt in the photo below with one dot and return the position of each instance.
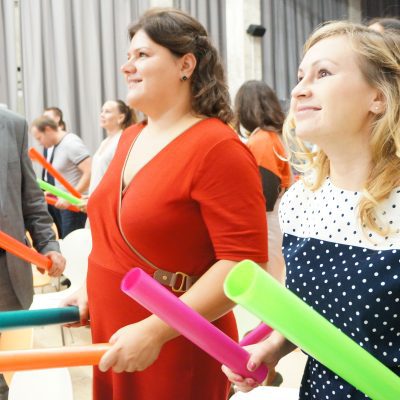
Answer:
(265, 145)
(275, 172)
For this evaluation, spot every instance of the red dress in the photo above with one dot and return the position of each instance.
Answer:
(197, 201)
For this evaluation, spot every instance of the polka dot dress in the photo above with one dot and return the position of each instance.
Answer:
(350, 277)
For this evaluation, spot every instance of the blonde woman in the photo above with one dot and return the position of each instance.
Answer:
(341, 223)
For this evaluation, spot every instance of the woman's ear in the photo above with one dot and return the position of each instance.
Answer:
(378, 104)
(188, 64)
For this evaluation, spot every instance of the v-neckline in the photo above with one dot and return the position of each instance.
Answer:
(122, 189)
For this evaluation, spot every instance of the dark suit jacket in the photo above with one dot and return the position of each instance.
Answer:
(22, 205)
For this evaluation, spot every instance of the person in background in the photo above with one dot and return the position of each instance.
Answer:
(22, 209)
(384, 24)
(72, 159)
(115, 116)
(341, 223)
(56, 115)
(181, 199)
(258, 111)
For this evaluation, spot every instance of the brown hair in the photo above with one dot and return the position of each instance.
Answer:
(43, 122)
(257, 106)
(182, 34)
(391, 24)
(379, 61)
(129, 114)
(57, 111)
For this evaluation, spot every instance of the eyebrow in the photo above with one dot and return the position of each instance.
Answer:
(320, 61)
(137, 49)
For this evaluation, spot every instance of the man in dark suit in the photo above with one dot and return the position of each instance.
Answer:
(22, 208)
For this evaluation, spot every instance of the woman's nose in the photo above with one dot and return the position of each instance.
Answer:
(128, 66)
(302, 89)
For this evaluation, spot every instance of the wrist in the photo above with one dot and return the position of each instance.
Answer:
(161, 331)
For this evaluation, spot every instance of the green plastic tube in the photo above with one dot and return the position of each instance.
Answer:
(58, 192)
(254, 289)
(27, 318)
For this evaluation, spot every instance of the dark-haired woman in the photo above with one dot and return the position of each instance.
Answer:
(258, 111)
(181, 199)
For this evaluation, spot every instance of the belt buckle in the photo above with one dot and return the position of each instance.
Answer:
(184, 280)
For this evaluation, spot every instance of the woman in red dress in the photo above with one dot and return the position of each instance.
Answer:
(182, 200)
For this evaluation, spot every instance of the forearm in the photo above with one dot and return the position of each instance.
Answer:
(280, 344)
(206, 297)
(83, 185)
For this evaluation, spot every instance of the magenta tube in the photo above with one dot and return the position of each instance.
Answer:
(161, 302)
(256, 335)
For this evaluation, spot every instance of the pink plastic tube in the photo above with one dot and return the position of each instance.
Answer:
(160, 301)
(256, 335)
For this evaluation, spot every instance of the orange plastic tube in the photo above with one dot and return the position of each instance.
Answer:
(36, 156)
(56, 357)
(20, 250)
(53, 200)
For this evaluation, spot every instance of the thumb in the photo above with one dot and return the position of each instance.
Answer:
(254, 362)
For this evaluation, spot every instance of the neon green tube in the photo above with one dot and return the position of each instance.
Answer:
(254, 289)
(58, 192)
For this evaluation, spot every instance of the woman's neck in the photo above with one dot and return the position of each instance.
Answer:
(113, 132)
(350, 169)
(171, 121)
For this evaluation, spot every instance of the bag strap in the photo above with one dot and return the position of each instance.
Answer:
(177, 281)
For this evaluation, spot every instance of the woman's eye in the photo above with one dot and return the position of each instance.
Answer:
(322, 73)
(142, 54)
(299, 78)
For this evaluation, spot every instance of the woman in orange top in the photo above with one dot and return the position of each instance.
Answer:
(258, 111)
(182, 200)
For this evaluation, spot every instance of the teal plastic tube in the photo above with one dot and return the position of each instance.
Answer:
(254, 289)
(58, 192)
(27, 318)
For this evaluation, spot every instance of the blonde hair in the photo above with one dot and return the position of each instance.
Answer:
(379, 61)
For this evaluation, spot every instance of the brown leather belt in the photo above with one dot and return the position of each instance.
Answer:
(178, 281)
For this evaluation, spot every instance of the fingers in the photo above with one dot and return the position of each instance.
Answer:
(58, 263)
(240, 383)
(109, 360)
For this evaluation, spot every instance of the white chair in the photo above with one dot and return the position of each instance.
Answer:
(268, 392)
(76, 248)
(41, 384)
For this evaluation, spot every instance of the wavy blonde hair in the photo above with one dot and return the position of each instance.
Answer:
(379, 61)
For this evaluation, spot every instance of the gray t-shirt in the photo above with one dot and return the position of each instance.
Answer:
(69, 153)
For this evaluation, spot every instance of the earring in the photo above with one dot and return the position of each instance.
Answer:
(184, 78)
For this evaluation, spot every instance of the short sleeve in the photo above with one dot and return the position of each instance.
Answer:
(77, 151)
(227, 187)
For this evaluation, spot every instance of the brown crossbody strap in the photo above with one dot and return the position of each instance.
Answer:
(177, 281)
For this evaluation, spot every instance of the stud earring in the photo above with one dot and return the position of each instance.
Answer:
(184, 78)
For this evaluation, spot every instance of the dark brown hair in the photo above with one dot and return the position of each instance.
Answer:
(129, 114)
(182, 34)
(257, 106)
(57, 111)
